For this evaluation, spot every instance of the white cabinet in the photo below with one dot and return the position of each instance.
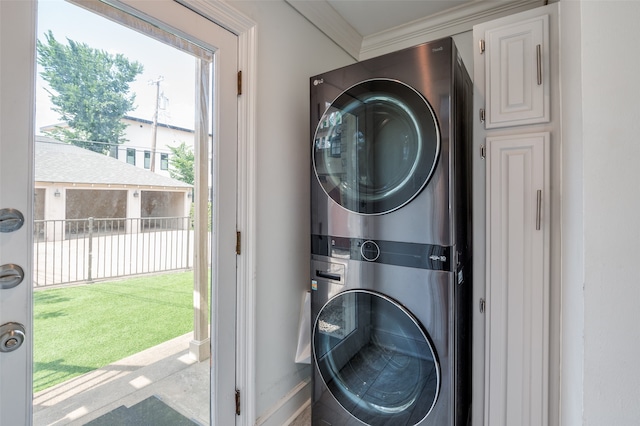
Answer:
(517, 73)
(516, 220)
(516, 358)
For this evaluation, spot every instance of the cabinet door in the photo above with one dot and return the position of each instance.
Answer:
(517, 73)
(517, 292)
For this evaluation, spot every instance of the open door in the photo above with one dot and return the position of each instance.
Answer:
(216, 117)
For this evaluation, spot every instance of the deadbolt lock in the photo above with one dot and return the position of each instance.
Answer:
(11, 336)
(10, 276)
(10, 220)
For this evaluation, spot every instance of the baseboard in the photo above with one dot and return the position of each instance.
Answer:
(289, 407)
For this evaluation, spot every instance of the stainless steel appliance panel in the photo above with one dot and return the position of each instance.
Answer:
(428, 296)
(429, 70)
(391, 240)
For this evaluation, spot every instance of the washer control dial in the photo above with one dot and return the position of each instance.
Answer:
(370, 251)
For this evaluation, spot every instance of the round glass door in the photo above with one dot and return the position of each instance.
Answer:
(376, 146)
(375, 359)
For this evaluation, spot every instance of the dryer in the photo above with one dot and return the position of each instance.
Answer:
(388, 160)
(391, 240)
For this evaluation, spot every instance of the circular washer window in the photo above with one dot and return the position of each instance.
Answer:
(375, 359)
(376, 146)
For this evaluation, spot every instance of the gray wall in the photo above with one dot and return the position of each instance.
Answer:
(290, 51)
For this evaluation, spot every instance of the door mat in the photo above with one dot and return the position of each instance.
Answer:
(149, 412)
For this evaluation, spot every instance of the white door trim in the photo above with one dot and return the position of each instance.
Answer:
(17, 112)
(246, 30)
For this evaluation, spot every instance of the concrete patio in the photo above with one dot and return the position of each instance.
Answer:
(166, 371)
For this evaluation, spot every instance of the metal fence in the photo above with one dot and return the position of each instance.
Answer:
(68, 251)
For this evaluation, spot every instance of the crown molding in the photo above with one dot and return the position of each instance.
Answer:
(222, 13)
(447, 23)
(450, 22)
(331, 23)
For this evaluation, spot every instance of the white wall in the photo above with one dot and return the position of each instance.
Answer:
(290, 50)
(601, 295)
(611, 147)
(572, 295)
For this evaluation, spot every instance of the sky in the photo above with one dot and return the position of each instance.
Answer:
(176, 67)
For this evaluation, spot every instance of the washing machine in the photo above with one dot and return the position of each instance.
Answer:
(391, 240)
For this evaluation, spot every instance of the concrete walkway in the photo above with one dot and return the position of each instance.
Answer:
(166, 370)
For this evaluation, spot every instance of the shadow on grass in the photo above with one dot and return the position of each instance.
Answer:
(49, 315)
(49, 297)
(54, 370)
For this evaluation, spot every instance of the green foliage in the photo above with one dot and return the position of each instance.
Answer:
(90, 91)
(181, 163)
(192, 215)
(82, 328)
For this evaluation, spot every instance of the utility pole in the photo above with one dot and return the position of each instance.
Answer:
(154, 134)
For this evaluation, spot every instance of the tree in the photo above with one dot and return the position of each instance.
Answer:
(181, 163)
(90, 91)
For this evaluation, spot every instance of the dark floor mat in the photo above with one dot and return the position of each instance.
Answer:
(149, 412)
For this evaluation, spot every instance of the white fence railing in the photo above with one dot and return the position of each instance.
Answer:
(68, 251)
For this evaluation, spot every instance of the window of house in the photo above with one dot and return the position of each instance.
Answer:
(147, 159)
(164, 161)
(131, 156)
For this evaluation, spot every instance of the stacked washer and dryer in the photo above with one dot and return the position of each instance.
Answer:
(391, 240)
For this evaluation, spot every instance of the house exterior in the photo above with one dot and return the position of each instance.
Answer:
(137, 150)
(75, 183)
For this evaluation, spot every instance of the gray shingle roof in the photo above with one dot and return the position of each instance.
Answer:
(65, 163)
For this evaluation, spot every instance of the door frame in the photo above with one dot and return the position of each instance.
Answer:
(246, 29)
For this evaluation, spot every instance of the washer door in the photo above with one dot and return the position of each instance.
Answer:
(375, 359)
(376, 146)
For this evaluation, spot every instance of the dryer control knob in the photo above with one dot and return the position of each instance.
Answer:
(370, 251)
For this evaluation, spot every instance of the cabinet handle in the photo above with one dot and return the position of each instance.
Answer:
(539, 63)
(538, 209)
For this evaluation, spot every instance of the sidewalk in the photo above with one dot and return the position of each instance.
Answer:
(166, 370)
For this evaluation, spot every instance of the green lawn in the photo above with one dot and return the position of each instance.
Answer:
(82, 328)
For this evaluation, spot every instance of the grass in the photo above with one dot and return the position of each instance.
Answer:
(80, 329)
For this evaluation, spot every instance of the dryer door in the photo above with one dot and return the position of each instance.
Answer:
(376, 146)
(376, 359)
